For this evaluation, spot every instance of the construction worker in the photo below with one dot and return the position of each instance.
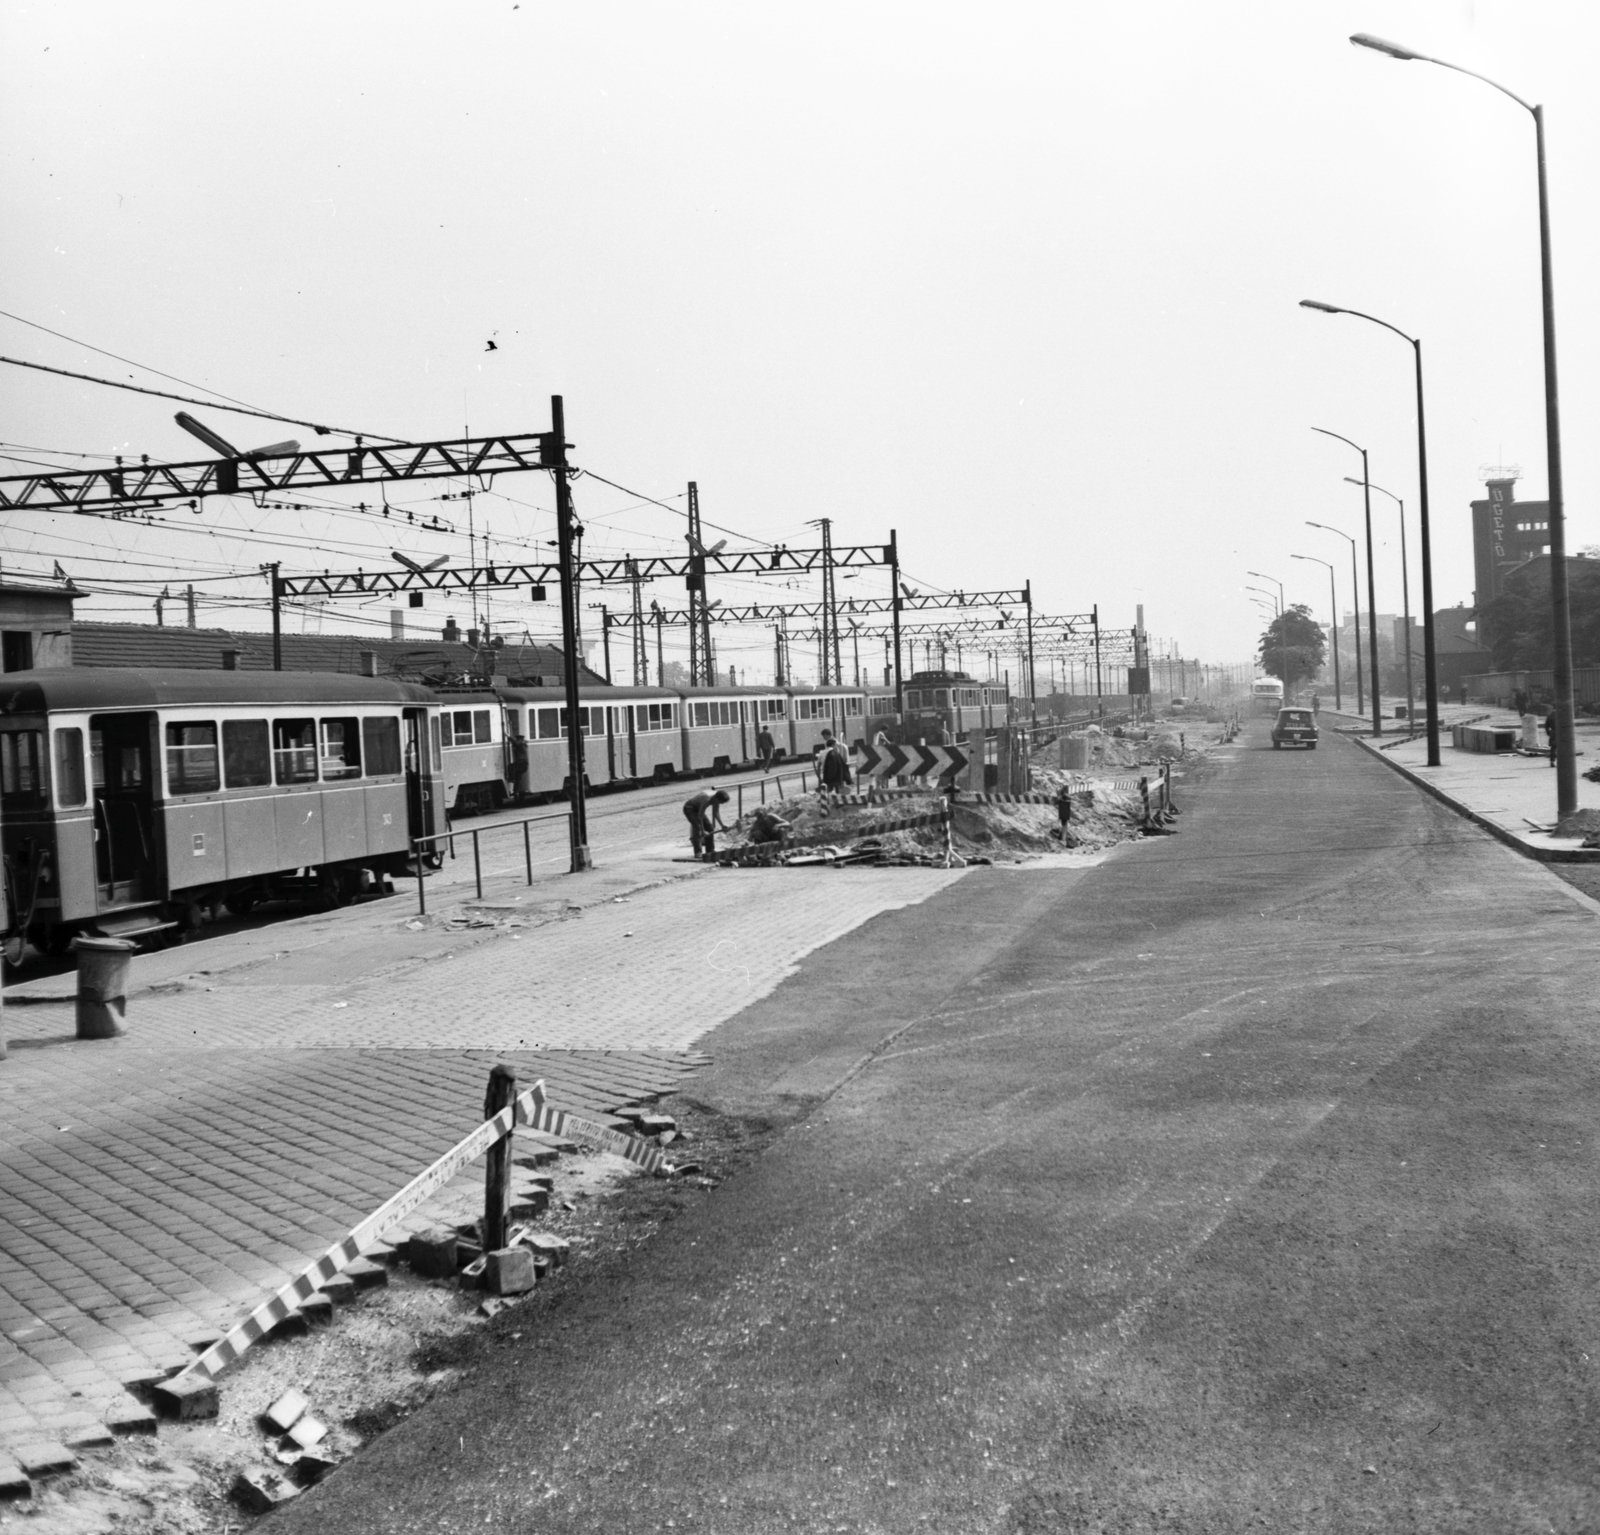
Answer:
(703, 811)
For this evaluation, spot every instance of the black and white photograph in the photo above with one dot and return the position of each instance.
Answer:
(799, 770)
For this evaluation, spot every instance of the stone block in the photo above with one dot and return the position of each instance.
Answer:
(367, 1276)
(529, 1204)
(311, 1467)
(471, 1277)
(655, 1124)
(14, 1481)
(295, 1325)
(308, 1432)
(533, 1154)
(129, 1416)
(262, 1491)
(510, 1271)
(88, 1436)
(341, 1290)
(541, 1244)
(432, 1254)
(187, 1397)
(286, 1411)
(46, 1458)
(317, 1308)
(384, 1253)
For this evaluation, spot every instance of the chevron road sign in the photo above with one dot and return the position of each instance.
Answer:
(911, 761)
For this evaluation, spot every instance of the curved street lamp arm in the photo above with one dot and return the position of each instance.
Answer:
(1397, 51)
(1350, 479)
(1311, 303)
(1326, 433)
(1326, 529)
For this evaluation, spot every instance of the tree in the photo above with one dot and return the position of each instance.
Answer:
(1294, 640)
(1516, 625)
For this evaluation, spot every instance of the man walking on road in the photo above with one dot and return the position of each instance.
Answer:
(766, 748)
(704, 814)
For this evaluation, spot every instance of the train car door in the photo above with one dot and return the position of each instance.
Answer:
(127, 865)
(422, 752)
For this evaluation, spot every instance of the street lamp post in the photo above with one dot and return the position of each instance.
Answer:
(1283, 624)
(1372, 589)
(1355, 596)
(1560, 613)
(1333, 608)
(1405, 593)
(1430, 668)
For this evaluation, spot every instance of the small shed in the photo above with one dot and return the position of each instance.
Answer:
(35, 626)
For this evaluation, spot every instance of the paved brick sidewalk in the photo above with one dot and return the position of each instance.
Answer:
(154, 1187)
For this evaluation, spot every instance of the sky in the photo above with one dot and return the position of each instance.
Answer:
(1018, 281)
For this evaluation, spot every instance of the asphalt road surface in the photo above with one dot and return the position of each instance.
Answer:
(1247, 1180)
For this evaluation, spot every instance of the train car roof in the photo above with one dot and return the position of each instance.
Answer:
(832, 688)
(740, 691)
(134, 687)
(593, 692)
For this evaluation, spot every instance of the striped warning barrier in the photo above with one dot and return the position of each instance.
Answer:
(529, 1109)
(762, 852)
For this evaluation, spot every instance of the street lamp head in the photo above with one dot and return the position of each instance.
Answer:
(1381, 45)
(1311, 303)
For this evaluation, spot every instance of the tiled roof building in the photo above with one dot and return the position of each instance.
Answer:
(427, 661)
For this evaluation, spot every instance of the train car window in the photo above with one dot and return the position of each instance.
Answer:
(481, 733)
(460, 723)
(852, 706)
(21, 767)
(192, 764)
(341, 748)
(247, 757)
(549, 723)
(294, 751)
(433, 736)
(380, 742)
(702, 714)
(514, 721)
(70, 789)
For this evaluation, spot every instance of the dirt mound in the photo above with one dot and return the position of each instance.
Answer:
(1100, 817)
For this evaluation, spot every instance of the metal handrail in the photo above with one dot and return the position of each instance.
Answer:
(477, 859)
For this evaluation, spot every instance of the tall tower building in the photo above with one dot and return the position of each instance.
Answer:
(1505, 532)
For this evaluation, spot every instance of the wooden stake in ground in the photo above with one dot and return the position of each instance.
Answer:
(497, 1161)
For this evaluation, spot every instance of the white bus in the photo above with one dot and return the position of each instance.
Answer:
(1266, 694)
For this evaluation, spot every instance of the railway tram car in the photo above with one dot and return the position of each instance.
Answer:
(135, 801)
(472, 735)
(630, 734)
(942, 705)
(813, 710)
(720, 725)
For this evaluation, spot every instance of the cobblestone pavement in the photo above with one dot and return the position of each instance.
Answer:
(155, 1186)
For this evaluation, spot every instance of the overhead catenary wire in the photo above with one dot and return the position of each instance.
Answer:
(187, 399)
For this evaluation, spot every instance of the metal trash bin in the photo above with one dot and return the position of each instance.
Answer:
(103, 966)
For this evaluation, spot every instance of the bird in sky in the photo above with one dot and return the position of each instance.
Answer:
(491, 345)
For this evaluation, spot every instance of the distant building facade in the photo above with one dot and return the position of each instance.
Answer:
(35, 626)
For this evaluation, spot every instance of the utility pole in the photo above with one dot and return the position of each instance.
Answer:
(277, 617)
(702, 666)
(1033, 696)
(1099, 681)
(641, 664)
(581, 858)
(189, 598)
(777, 645)
(894, 591)
(661, 663)
(605, 639)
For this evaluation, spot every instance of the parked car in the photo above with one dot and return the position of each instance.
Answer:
(1295, 727)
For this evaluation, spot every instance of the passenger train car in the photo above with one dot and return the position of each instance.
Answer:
(135, 800)
(945, 707)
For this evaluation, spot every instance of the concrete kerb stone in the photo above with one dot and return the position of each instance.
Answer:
(1495, 830)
